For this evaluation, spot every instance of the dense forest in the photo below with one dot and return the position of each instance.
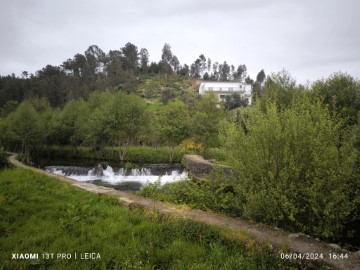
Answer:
(295, 150)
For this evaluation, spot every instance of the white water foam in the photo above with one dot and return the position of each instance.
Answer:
(142, 176)
(55, 171)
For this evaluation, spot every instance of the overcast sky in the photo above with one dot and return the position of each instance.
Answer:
(310, 38)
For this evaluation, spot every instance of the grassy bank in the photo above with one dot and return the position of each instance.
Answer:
(41, 215)
(136, 154)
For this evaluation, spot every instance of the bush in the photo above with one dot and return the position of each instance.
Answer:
(215, 193)
(295, 172)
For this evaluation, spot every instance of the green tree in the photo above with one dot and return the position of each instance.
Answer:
(174, 124)
(279, 86)
(341, 93)
(224, 72)
(8, 107)
(166, 55)
(234, 101)
(95, 58)
(248, 80)
(175, 64)
(216, 72)
(206, 120)
(24, 129)
(166, 58)
(123, 119)
(240, 73)
(130, 56)
(144, 59)
(261, 76)
(67, 124)
(184, 71)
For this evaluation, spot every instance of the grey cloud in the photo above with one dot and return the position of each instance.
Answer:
(308, 37)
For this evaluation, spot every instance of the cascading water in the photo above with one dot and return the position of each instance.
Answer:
(121, 176)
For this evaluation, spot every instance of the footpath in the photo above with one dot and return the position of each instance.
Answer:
(296, 244)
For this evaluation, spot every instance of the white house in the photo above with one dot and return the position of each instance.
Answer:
(223, 89)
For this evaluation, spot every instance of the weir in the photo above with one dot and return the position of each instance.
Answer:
(134, 178)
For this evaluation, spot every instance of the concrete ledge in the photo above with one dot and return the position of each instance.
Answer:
(198, 166)
(278, 239)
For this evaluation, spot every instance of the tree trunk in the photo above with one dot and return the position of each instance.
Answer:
(122, 153)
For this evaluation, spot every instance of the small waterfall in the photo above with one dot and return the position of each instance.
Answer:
(109, 172)
(116, 176)
(56, 171)
(140, 172)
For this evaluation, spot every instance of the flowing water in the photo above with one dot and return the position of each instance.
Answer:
(122, 178)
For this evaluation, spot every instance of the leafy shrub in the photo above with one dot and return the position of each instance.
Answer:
(295, 172)
(214, 193)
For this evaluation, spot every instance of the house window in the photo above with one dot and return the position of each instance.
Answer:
(210, 88)
(231, 89)
(222, 97)
(220, 88)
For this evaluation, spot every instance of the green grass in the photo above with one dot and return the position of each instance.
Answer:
(39, 214)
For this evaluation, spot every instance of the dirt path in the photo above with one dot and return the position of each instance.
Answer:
(296, 243)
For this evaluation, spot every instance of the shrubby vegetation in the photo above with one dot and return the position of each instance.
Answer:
(214, 193)
(294, 170)
(135, 154)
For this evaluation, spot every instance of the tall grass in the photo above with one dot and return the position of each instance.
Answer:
(136, 154)
(39, 214)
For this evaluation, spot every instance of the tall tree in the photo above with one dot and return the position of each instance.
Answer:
(206, 120)
(144, 59)
(202, 64)
(240, 73)
(184, 71)
(166, 53)
(124, 120)
(95, 60)
(166, 58)
(234, 101)
(208, 65)
(248, 80)
(24, 128)
(261, 76)
(79, 65)
(130, 56)
(224, 72)
(215, 74)
(175, 64)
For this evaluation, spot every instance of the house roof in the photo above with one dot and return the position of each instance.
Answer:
(224, 86)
